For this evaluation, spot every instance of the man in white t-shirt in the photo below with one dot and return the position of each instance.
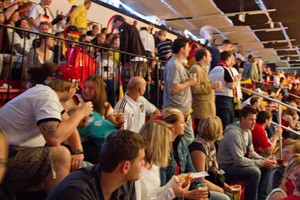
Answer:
(134, 106)
(38, 14)
(36, 125)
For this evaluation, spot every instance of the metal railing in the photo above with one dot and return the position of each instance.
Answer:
(279, 104)
(82, 56)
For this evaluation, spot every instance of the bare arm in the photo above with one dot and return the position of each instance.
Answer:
(174, 89)
(156, 113)
(199, 159)
(56, 132)
(33, 23)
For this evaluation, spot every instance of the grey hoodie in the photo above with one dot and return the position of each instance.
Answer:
(234, 146)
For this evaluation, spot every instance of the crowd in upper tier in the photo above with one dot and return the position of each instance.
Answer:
(73, 134)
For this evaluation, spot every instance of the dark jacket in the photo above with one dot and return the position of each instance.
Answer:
(180, 155)
(130, 42)
(84, 184)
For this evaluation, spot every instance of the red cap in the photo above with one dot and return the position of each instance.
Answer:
(66, 73)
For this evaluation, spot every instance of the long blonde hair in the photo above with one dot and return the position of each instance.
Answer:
(294, 162)
(157, 135)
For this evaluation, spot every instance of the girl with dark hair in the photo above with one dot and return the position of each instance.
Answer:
(41, 52)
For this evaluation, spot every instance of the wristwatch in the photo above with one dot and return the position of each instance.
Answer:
(78, 151)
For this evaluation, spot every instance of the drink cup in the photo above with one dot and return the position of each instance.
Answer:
(236, 192)
(202, 187)
(118, 116)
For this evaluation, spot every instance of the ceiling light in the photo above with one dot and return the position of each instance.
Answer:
(242, 17)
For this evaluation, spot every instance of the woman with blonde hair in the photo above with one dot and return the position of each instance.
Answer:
(203, 154)
(289, 180)
(180, 159)
(157, 136)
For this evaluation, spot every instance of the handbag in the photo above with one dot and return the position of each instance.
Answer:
(216, 178)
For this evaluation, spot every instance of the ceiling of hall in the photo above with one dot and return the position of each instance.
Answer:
(273, 36)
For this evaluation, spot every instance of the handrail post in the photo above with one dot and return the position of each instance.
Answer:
(280, 137)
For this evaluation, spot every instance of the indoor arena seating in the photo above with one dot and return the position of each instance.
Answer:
(80, 55)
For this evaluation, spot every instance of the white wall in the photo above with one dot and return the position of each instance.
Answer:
(96, 13)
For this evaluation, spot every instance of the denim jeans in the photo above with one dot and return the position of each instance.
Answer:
(188, 131)
(218, 196)
(250, 174)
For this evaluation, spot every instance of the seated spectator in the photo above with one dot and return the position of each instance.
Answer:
(44, 27)
(92, 33)
(99, 40)
(134, 106)
(11, 22)
(120, 163)
(296, 193)
(289, 119)
(35, 126)
(179, 159)
(3, 155)
(289, 148)
(157, 136)
(41, 74)
(203, 154)
(41, 52)
(289, 180)
(22, 42)
(236, 156)
(58, 24)
(262, 145)
(94, 129)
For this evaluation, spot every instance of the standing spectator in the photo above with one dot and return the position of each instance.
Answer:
(177, 91)
(38, 14)
(35, 126)
(164, 46)
(203, 94)
(130, 42)
(148, 41)
(120, 164)
(78, 17)
(224, 95)
(238, 159)
(134, 106)
(262, 145)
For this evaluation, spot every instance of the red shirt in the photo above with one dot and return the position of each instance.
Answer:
(292, 197)
(260, 139)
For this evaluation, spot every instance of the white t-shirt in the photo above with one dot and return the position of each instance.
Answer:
(148, 187)
(19, 118)
(134, 112)
(19, 40)
(38, 14)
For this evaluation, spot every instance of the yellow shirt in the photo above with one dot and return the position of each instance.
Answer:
(79, 17)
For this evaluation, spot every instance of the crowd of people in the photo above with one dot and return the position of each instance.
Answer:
(70, 136)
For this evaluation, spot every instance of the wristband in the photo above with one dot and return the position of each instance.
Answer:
(77, 152)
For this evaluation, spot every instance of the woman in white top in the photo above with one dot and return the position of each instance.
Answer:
(157, 135)
(289, 180)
